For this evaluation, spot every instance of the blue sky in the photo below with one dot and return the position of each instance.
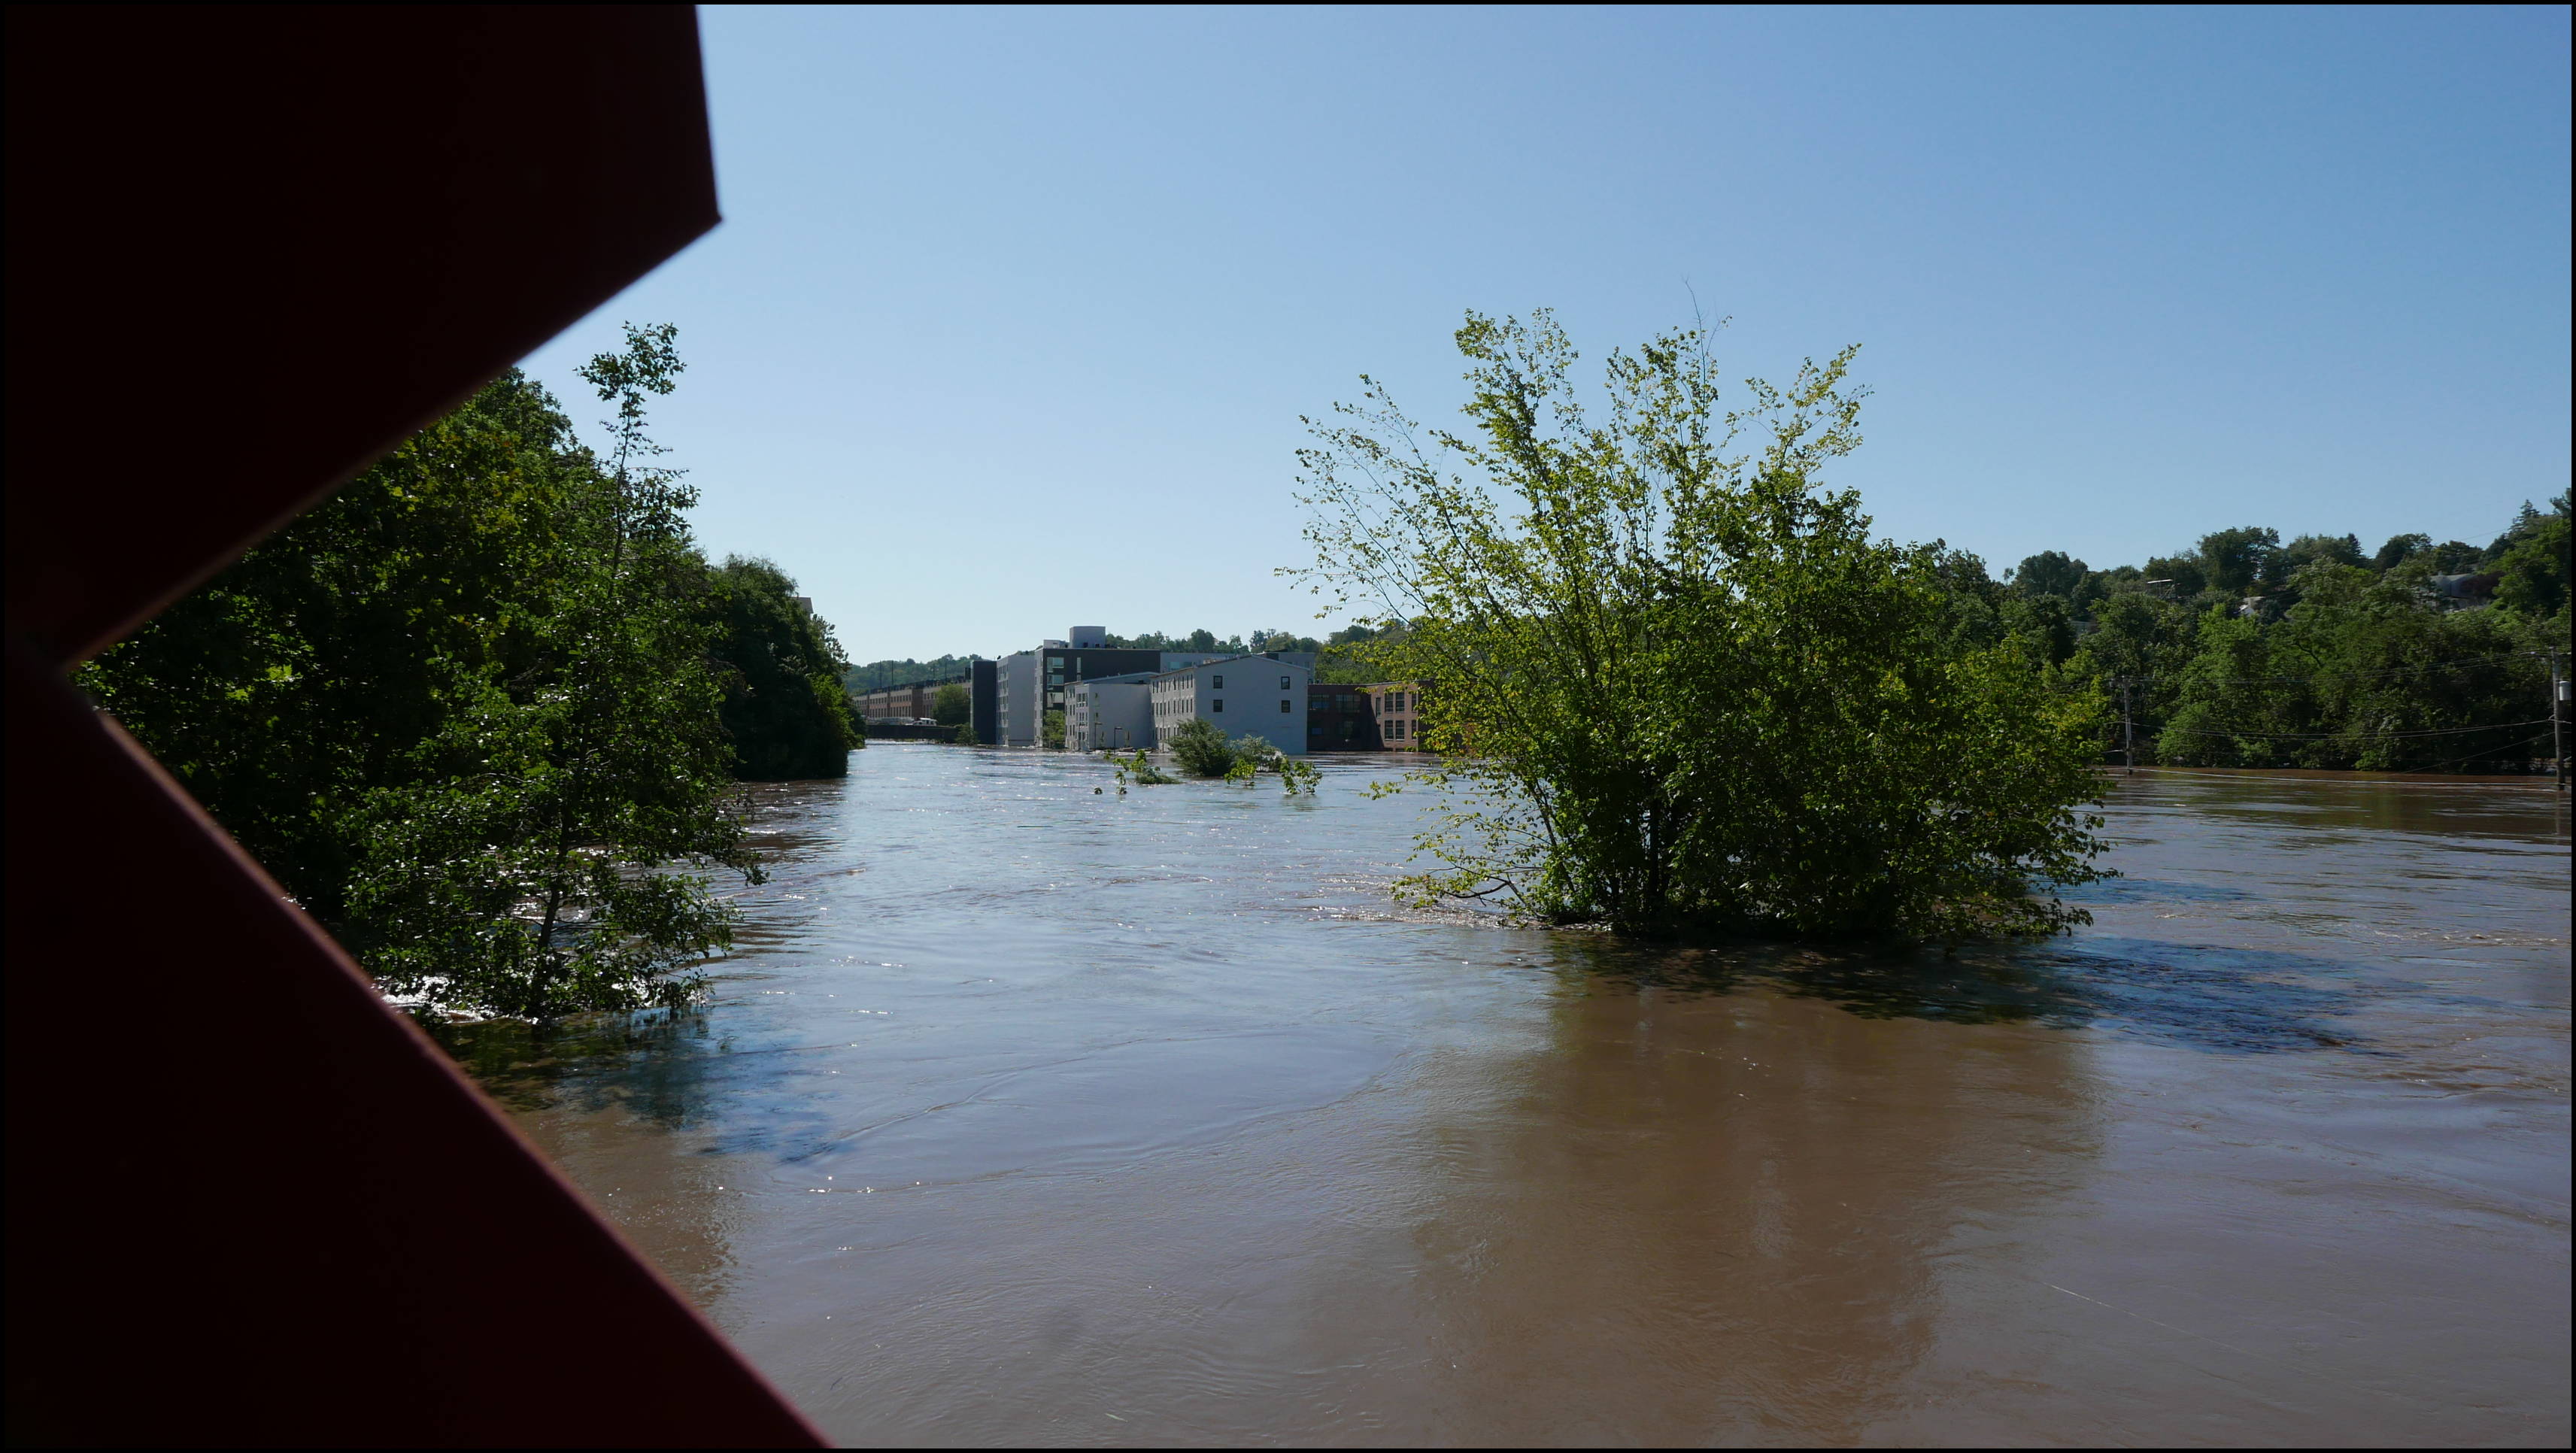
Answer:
(1013, 313)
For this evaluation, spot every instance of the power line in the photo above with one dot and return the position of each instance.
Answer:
(2463, 661)
(2364, 732)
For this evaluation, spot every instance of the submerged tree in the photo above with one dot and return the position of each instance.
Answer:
(785, 711)
(532, 871)
(1680, 686)
(464, 710)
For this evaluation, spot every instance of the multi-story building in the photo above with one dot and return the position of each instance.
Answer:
(1030, 684)
(1111, 714)
(911, 702)
(1396, 706)
(1382, 716)
(1257, 696)
(1338, 719)
(916, 700)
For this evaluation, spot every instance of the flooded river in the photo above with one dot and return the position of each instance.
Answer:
(1029, 1115)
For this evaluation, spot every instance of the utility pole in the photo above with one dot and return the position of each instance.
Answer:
(2128, 732)
(2557, 715)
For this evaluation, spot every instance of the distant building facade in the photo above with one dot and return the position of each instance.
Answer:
(900, 703)
(1029, 684)
(1397, 705)
(1338, 718)
(1111, 714)
(1256, 696)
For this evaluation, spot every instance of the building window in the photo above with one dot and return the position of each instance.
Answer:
(1283, 683)
(1283, 708)
(1220, 683)
(1217, 705)
(1395, 729)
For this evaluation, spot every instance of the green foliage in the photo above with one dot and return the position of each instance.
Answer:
(2399, 550)
(2351, 662)
(2363, 673)
(966, 735)
(952, 705)
(2314, 549)
(1297, 776)
(1345, 661)
(2532, 567)
(1200, 747)
(464, 710)
(1199, 640)
(1051, 730)
(1256, 755)
(1141, 771)
(2237, 562)
(1681, 687)
(2050, 572)
(784, 709)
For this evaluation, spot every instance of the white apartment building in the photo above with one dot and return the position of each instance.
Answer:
(1019, 697)
(1248, 696)
(1112, 714)
(1029, 684)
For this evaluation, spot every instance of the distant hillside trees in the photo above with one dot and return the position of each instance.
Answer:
(2245, 652)
(1198, 640)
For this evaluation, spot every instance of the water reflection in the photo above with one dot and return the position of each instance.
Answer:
(1706, 1219)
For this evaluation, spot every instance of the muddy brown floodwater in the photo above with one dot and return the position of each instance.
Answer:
(1025, 1115)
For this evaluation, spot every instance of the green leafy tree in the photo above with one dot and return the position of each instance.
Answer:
(2532, 566)
(2457, 557)
(1201, 749)
(312, 671)
(784, 708)
(531, 874)
(1051, 730)
(465, 712)
(952, 705)
(2309, 549)
(2238, 562)
(2399, 550)
(1140, 771)
(1680, 685)
(2050, 572)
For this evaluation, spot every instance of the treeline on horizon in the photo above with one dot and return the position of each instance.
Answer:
(482, 712)
(1332, 664)
(2244, 651)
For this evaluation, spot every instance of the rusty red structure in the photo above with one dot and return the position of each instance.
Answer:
(249, 250)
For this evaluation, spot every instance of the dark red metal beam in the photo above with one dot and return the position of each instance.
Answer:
(248, 250)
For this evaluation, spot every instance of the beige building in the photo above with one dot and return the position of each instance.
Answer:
(1396, 707)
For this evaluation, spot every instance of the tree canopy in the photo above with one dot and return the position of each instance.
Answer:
(481, 711)
(785, 712)
(1679, 685)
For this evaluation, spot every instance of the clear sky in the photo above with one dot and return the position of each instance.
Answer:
(1013, 313)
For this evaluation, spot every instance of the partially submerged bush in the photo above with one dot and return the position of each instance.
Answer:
(1680, 687)
(1201, 748)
